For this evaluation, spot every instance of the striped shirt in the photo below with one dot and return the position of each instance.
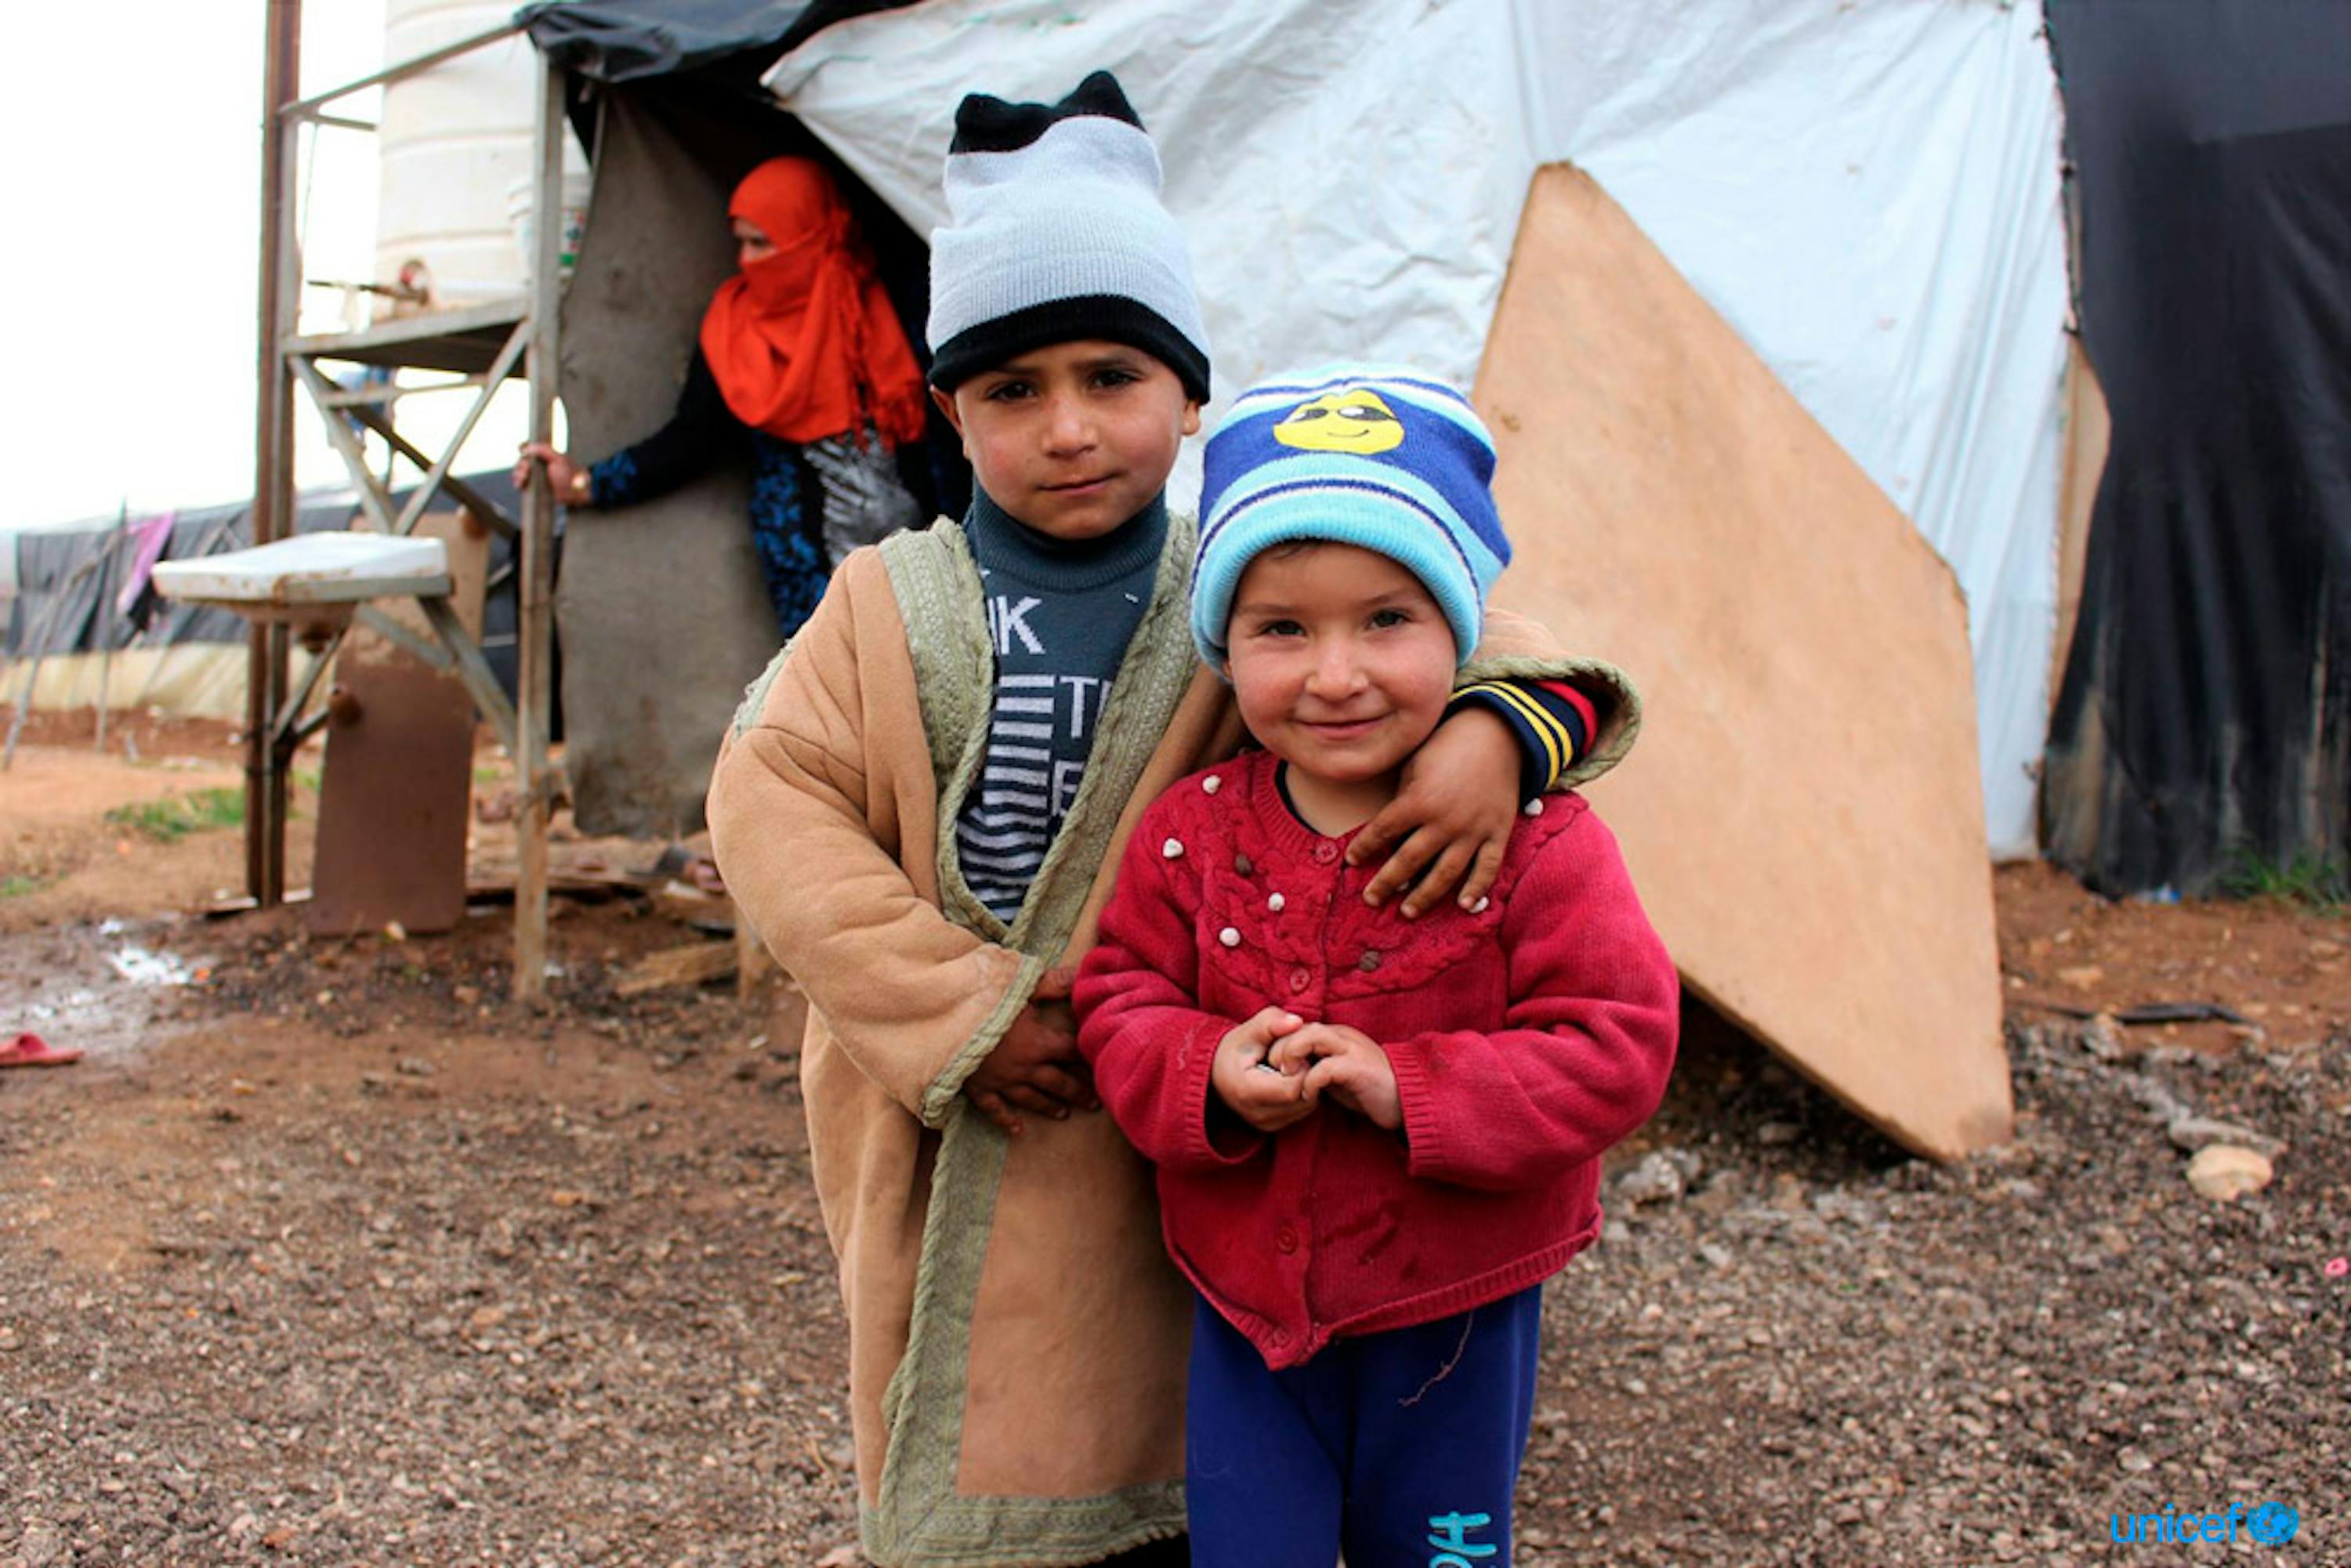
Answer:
(1060, 616)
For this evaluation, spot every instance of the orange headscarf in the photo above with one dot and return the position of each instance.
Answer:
(804, 344)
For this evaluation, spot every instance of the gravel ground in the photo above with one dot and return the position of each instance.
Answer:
(1823, 1352)
(382, 1279)
(348, 1265)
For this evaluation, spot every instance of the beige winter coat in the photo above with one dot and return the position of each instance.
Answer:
(1017, 1336)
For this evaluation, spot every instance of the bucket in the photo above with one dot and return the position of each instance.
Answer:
(575, 219)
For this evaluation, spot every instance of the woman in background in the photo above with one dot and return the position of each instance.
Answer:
(803, 359)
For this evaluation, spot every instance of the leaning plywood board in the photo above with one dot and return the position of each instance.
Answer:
(1803, 813)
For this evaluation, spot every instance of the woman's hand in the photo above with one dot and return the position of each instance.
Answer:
(567, 478)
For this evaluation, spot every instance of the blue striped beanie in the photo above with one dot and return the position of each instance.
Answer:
(1385, 458)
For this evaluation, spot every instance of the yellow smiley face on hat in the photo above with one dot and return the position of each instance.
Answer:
(1352, 419)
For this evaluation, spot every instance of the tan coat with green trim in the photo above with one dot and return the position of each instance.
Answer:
(1017, 1336)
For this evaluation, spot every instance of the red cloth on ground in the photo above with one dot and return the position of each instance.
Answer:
(1526, 1039)
(803, 344)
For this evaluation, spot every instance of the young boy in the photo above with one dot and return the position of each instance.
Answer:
(1375, 1137)
(920, 808)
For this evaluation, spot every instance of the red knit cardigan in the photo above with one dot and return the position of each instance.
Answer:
(1527, 1037)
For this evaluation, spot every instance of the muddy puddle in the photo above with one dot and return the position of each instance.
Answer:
(96, 987)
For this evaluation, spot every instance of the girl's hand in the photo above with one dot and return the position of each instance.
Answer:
(1247, 1080)
(1450, 820)
(567, 478)
(1350, 1066)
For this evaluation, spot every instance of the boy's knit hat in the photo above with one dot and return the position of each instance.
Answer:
(1388, 459)
(1055, 232)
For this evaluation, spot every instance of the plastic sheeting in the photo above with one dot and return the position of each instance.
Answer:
(631, 40)
(56, 614)
(1867, 193)
(2205, 720)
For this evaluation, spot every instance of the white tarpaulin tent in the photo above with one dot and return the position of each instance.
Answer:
(1867, 193)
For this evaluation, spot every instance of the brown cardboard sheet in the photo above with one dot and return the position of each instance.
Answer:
(1803, 812)
(394, 798)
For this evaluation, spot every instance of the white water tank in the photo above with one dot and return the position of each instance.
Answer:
(455, 149)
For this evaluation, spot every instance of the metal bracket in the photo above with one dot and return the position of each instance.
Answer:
(475, 671)
(339, 410)
(285, 721)
(424, 650)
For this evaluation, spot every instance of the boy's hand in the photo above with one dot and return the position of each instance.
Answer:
(1247, 1080)
(1350, 1066)
(1451, 817)
(1036, 1066)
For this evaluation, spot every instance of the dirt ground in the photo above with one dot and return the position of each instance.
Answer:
(327, 1253)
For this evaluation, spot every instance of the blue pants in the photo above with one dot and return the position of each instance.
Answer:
(1401, 1449)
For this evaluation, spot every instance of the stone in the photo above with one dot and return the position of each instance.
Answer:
(2195, 1133)
(1657, 1179)
(2159, 1102)
(2103, 1038)
(2226, 1172)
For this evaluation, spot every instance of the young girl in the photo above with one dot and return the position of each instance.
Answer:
(1375, 1137)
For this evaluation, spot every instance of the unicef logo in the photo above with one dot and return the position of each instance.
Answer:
(2274, 1524)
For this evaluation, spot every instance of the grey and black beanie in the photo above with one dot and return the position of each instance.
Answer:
(1055, 232)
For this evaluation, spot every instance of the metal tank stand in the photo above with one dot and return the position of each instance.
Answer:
(486, 345)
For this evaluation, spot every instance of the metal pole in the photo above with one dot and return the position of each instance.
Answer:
(53, 615)
(535, 613)
(264, 678)
(307, 109)
(106, 617)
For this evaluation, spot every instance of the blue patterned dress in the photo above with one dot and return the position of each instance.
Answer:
(788, 497)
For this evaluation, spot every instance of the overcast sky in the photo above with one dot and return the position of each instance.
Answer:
(129, 273)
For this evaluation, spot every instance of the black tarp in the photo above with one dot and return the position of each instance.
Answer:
(56, 610)
(632, 40)
(61, 578)
(2203, 724)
